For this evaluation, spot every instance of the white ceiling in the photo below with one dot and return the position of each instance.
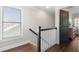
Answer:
(50, 9)
(74, 10)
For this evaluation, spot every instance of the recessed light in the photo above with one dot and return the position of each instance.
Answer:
(47, 7)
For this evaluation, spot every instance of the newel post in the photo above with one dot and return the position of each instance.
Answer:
(39, 39)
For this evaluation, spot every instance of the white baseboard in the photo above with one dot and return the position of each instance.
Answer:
(13, 45)
(33, 43)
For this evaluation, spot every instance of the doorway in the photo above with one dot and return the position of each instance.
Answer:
(64, 26)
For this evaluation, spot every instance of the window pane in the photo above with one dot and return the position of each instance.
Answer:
(11, 29)
(11, 14)
(11, 24)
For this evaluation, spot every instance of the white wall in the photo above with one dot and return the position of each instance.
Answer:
(34, 18)
(0, 24)
(70, 20)
(31, 18)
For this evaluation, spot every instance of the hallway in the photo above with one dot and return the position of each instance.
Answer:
(73, 46)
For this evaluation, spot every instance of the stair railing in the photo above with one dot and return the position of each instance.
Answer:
(39, 35)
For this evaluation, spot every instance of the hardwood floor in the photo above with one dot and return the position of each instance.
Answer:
(72, 46)
(23, 48)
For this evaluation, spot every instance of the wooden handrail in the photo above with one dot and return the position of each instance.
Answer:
(42, 30)
(39, 39)
(33, 32)
(48, 29)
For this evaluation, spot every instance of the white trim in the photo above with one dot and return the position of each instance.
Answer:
(33, 43)
(13, 45)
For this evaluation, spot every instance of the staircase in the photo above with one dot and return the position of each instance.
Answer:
(46, 38)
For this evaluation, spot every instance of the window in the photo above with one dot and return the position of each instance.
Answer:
(76, 22)
(11, 22)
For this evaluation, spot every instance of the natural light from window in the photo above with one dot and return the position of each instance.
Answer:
(11, 22)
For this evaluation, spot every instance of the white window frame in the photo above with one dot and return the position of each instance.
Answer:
(20, 23)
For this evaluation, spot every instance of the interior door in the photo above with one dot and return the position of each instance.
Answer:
(64, 26)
